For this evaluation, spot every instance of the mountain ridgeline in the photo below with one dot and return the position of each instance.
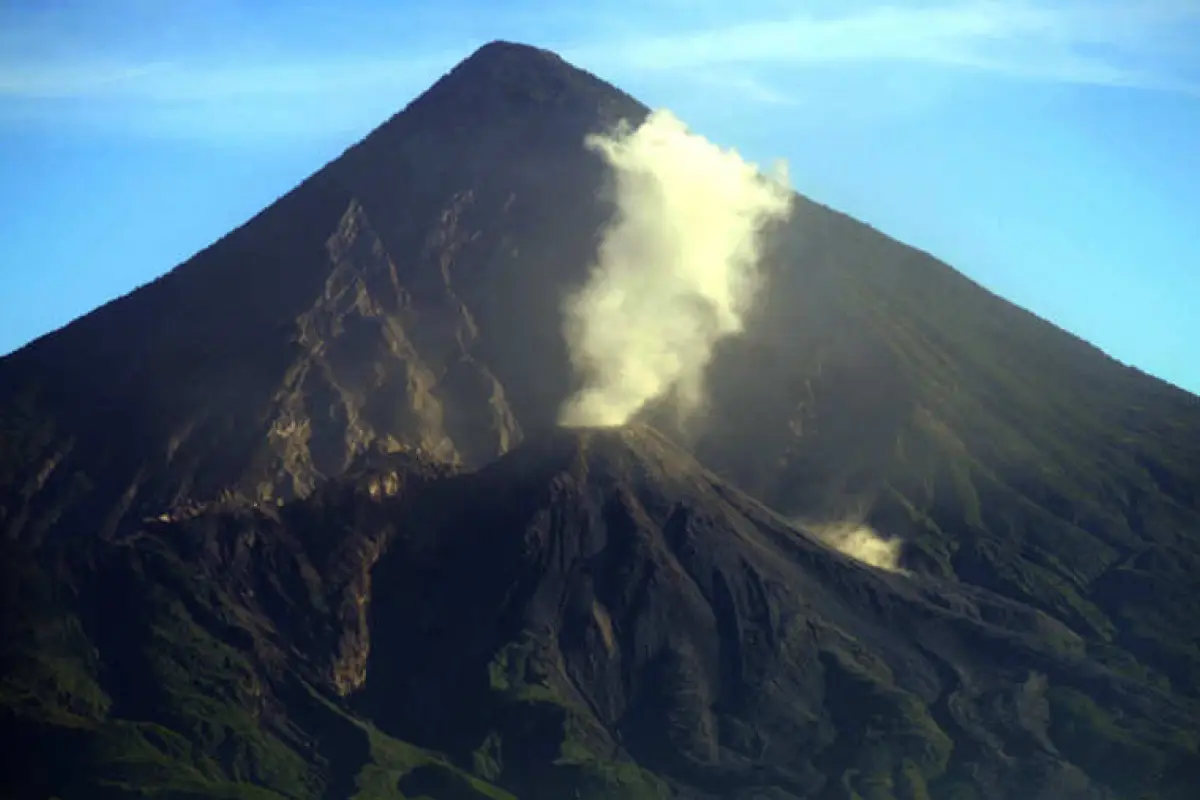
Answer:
(296, 520)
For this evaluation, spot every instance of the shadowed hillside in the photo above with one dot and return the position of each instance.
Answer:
(593, 613)
(295, 519)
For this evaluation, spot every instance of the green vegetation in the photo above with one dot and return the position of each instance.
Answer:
(393, 761)
(520, 675)
(164, 636)
(887, 745)
(1130, 754)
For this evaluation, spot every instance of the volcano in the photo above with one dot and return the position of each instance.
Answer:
(296, 519)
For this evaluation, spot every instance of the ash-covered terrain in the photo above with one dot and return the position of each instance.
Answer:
(519, 453)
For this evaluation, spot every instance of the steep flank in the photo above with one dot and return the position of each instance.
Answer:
(294, 520)
(595, 613)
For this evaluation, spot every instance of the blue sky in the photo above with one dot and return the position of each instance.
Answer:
(1049, 149)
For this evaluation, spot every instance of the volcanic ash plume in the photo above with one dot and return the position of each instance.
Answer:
(677, 269)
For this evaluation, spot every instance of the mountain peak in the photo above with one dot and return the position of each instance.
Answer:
(499, 50)
(558, 607)
(504, 77)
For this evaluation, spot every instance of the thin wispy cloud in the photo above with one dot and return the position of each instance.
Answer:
(755, 53)
(183, 82)
(742, 84)
(1149, 45)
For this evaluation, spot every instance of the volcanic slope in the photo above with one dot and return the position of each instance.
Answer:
(594, 615)
(407, 297)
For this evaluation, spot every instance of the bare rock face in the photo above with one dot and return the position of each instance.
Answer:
(368, 380)
(415, 304)
(296, 520)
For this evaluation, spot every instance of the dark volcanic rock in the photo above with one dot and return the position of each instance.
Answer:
(408, 293)
(594, 613)
(257, 541)
(678, 622)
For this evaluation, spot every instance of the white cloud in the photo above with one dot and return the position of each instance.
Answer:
(1146, 45)
(754, 52)
(166, 81)
(744, 84)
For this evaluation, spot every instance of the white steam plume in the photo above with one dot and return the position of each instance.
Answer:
(677, 269)
(862, 543)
